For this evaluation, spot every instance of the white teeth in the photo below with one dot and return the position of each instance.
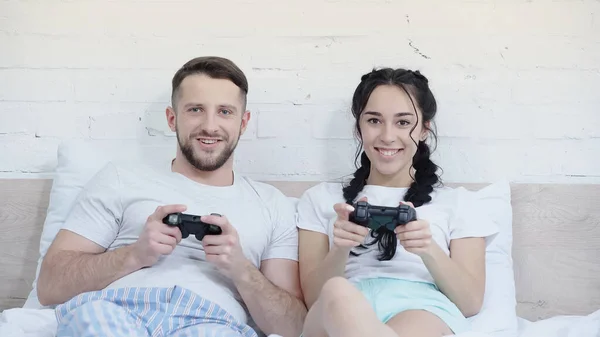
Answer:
(208, 141)
(388, 152)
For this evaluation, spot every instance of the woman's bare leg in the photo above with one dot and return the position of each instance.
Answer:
(418, 323)
(342, 311)
(313, 323)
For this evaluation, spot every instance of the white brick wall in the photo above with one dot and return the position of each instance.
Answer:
(517, 82)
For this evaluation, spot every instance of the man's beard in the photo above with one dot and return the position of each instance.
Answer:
(206, 164)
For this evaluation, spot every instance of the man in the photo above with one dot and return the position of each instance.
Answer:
(117, 269)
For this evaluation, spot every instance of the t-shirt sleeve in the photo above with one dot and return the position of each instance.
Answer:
(471, 218)
(96, 214)
(310, 214)
(284, 239)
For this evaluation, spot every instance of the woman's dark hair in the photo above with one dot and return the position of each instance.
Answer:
(416, 87)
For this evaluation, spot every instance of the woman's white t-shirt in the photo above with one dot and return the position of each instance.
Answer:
(452, 213)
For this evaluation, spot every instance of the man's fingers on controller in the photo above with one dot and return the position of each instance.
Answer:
(166, 249)
(212, 240)
(176, 233)
(162, 211)
(162, 248)
(172, 231)
(167, 240)
(214, 219)
(220, 221)
(217, 250)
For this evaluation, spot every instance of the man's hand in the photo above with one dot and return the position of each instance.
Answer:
(157, 238)
(224, 250)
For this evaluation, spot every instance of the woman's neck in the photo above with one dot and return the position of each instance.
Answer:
(399, 179)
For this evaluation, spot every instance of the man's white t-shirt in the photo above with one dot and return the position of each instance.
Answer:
(452, 214)
(113, 208)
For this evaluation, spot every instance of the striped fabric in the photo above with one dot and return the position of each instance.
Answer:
(146, 312)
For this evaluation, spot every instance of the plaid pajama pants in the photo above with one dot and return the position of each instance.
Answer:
(138, 312)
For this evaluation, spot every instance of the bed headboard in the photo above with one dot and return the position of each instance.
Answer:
(556, 248)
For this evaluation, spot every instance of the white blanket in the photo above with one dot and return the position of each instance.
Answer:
(42, 323)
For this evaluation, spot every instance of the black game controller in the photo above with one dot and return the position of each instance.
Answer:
(376, 217)
(191, 224)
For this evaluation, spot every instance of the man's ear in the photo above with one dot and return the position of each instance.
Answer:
(171, 118)
(245, 120)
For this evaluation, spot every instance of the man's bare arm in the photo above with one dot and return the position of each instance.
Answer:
(273, 296)
(74, 264)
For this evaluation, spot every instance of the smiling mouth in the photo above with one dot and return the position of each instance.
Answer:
(208, 141)
(387, 152)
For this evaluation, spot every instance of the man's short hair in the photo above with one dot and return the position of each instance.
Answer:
(214, 67)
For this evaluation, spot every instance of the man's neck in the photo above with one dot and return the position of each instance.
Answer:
(223, 176)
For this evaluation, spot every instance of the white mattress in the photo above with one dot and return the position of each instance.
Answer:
(22, 322)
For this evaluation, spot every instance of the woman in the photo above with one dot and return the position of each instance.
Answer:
(361, 282)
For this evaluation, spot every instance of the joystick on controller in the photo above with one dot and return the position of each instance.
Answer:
(375, 217)
(191, 224)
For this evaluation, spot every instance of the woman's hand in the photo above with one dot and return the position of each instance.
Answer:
(415, 236)
(345, 233)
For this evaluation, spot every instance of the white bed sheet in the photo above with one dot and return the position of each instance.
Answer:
(21, 322)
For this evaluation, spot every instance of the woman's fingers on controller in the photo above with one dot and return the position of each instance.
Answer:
(342, 234)
(353, 231)
(415, 225)
(344, 242)
(351, 227)
(410, 235)
(357, 229)
(417, 243)
(343, 210)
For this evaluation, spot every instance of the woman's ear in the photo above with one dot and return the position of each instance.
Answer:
(425, 131)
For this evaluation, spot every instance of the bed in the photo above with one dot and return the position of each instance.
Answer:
(555, 252)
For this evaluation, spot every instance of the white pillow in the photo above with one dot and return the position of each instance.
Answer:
(498, 315)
